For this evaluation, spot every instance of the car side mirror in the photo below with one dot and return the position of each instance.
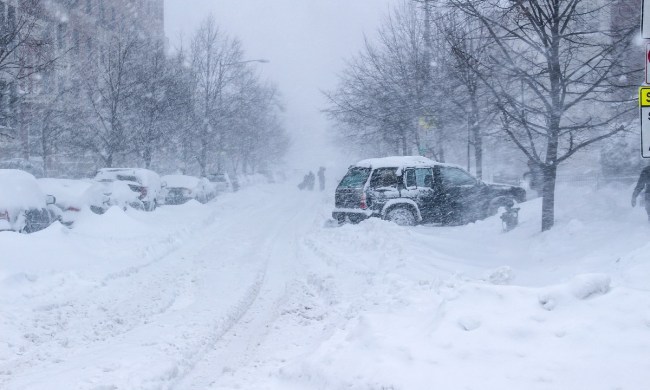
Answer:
(163, 184)
(50, 200)
(428, 181)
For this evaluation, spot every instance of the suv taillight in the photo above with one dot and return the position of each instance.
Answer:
(143, 192)
(363, 204)
(4, 215)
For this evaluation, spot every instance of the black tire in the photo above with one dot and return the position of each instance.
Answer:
(401, 216)
(355, 218)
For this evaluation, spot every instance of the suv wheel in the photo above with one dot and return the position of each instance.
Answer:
(401, 216)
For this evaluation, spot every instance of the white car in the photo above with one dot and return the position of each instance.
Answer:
(70, 196)
(23, 206)
(178, 189)
(144, 183)
(221, 181)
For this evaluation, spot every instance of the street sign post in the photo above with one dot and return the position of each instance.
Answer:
(645, 19)
(644, 103)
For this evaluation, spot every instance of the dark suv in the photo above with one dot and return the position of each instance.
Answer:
(409, 190)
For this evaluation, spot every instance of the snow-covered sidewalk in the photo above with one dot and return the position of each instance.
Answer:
(254, 291)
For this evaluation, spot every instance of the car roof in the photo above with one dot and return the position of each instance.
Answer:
(19, 190)
(401, 162)
(181, 181)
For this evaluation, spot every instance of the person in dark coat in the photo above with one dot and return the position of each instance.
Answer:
(311, 180)
(643, 185)
(321, 178)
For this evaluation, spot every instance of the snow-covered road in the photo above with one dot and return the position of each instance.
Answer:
(254, 291)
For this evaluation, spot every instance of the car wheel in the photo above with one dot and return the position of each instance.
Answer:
(355, 218)
(97, 210)
(401, 216)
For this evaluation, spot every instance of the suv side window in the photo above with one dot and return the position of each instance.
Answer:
(456, 177)
(384, 177)
(424, 177)
(410, 178)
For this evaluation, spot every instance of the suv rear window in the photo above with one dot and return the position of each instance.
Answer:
(355, 178)
(126, 178)
(384, 177)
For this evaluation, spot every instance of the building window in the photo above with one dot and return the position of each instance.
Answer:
(60, 35)
(2, 13)
(76, 41)
(11, 17)
(102, 13)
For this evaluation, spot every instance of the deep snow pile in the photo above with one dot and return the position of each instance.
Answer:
(250, 294)
(473, 308)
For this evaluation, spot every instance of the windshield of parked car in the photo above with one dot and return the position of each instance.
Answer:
(384, 177)
(355, 178)
(456, 177)
(127, 178)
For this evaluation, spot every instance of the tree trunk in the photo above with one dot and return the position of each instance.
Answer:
(45, 150)
(478, 153)
(148, 152)
(476, 133)
(548, 197)
(203, 154)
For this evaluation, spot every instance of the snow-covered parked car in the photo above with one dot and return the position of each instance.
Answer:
(412, 189)
(222, 182)
(104, 194)
(120, 184)
(70, 196)
(24, 207)
(178, 189)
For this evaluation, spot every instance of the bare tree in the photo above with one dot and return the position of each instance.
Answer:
(25, 51)
(384, 92)
(50, 122)
(258, 138)
(110, 86)
(162, 97)
(469, 47)
(216, 61)
(562, 54)
(396, 92)
(24, 48)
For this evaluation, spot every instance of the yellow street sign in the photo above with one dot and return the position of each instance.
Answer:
(644, 97)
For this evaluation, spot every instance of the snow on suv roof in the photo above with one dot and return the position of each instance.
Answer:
(398, 162)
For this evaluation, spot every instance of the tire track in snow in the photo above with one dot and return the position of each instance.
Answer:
(110, 311)
(252, 313)
(95, 314)
(290, 295)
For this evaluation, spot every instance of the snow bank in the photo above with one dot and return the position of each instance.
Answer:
(68, 193)
(468, 334)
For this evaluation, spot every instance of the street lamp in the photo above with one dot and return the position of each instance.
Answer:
(261, 61)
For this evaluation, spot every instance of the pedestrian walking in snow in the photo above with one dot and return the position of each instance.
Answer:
(304, 183)
(643, 185)
(321, 178)
(311, 181)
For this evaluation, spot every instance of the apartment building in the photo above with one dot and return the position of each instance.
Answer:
(71, 33)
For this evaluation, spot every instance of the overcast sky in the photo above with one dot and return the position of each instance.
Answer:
(306, 42)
